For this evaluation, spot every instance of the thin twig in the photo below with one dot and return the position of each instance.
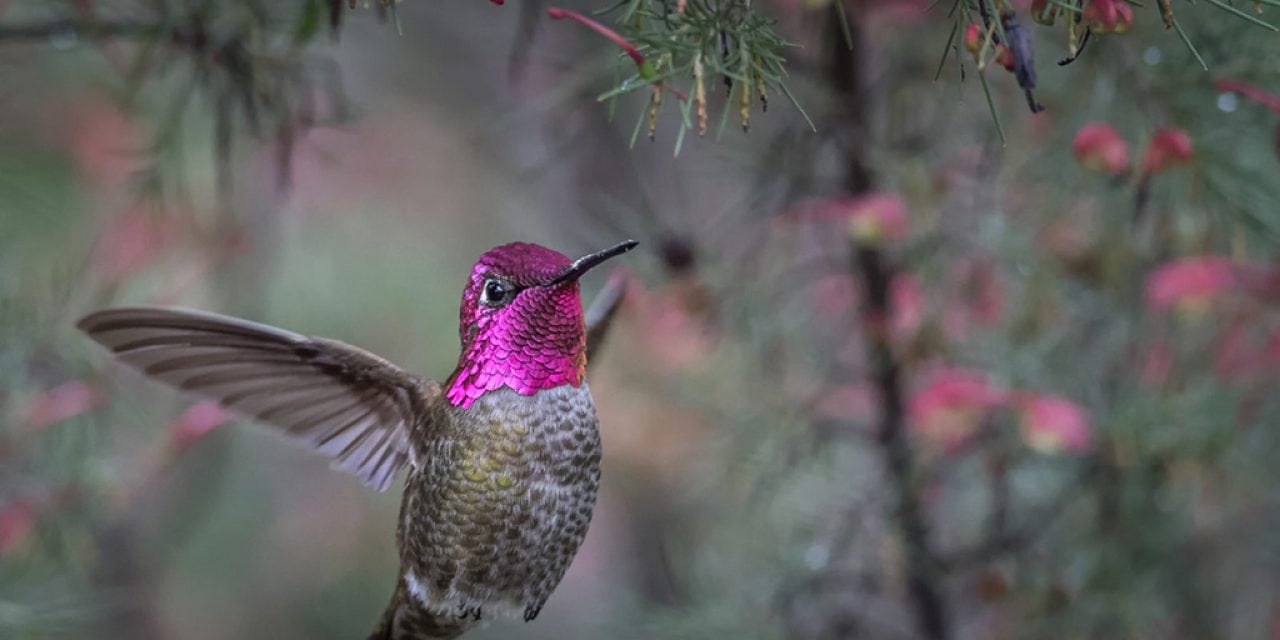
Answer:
(922, 563)
(95, 30)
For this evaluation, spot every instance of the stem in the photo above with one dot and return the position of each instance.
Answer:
(872, 267)
(922, 562)
(557, 13)
(94, 29)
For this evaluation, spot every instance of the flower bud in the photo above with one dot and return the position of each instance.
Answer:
(1108, 16)
(1170, 147)
(1004, 56)
(1043, 12)
(973, 38)
(1100, 148)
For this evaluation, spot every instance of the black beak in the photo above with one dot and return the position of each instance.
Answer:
(587, 262)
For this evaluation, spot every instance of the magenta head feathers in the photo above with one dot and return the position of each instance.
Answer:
(521, 321)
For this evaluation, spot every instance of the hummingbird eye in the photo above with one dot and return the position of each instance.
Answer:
(496, 293)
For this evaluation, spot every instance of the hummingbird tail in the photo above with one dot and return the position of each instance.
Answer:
(404, 619)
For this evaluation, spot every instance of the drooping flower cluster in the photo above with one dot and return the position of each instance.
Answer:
(1108, 16)
(1190, 285)
(955, 405)
(1099, 147)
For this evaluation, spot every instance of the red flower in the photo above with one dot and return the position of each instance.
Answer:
(196, 422)
(1043, 12)
(1100, 148)
(906, 302)
(132, 240)
(1189, 284)
(877, 217)
(873, 218)
(1169, 147)
(1004, 56)
(1053, 424)
(1109, 16)
(61, 403)
(104, 141)
(949, 409)
(17, 519)
(973, 38)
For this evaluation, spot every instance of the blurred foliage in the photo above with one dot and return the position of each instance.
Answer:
(1084, 361)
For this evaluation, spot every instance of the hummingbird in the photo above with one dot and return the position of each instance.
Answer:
(503, 457)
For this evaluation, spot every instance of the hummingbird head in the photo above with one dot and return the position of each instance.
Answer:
(521, 321)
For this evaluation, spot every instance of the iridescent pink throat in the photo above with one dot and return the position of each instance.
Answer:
(536, 342)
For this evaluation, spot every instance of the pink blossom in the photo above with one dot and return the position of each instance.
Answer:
(1169, 147)
(1108, 16)
(846, 401)
(130, 241)
(673, 335)
(104, 141)
(196, 422)
(877, 217)
(873, 218)
(17, 519)
(61, 403)
(1100, 148)
(1053, 424)
(1004, 57)
(951, 406)
(1189, 284)
(1043, 12)
(973, 38)
(906, 302)
(834, 293)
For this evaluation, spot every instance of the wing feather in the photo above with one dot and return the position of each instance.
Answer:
(341, 401)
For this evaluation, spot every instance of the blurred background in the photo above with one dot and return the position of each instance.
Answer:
(914, 363)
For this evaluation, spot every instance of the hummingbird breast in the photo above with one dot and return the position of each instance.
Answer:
(493, 516)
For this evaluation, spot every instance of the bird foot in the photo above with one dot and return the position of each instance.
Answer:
(468, 611)
(531, 613)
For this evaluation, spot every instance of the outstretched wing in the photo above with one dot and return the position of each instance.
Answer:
(341, 401)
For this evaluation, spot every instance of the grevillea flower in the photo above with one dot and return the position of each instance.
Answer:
(675, 338)
(1108, 16)
(873, 218)
(131, 241)
(1044, 12)
(1169, 147)
(973, 39)
(876, 218)
(195, 423)
(1053, 424)
(17, 519)
(1004, 57)
(949, 409)
(104, 142)
(63, 402)
(1100, 148)
(906, 303)
(1189, 284)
